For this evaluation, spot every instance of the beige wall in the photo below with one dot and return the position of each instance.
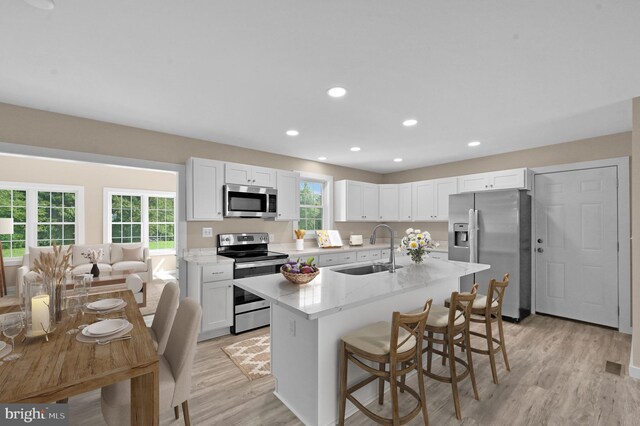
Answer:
(635, 228)
(94, 178)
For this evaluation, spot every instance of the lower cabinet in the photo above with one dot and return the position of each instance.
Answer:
(439, 255)
(217, 305)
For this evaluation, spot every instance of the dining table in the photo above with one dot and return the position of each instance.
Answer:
(61, 367)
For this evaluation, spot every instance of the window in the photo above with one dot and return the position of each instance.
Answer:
(13, 203)
(161, 223)
(141, 216)
(315, 210)
(42, 214)
(56, 218)
(126, 219)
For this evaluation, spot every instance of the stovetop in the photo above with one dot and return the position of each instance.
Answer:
(253, 255)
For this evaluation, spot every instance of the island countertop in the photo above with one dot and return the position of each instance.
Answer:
(332, 291)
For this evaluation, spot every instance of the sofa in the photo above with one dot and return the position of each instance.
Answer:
(132, 257)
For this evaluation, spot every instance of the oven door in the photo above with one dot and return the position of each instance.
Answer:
(249, 201)
(252, 269)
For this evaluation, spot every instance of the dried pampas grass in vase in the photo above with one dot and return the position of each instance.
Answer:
(53, 268)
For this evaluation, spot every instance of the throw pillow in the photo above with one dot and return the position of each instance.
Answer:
(132, 254)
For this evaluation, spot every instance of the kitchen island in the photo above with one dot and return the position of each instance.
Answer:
(307, 322)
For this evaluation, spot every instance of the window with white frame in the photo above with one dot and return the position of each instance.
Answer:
(42, 214)
(141, 216)
(315, 209)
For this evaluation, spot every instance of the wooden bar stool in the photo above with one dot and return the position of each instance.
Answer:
(453, 324)
(488, 310)
(397, 343)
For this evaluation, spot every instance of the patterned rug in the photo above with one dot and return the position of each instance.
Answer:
(252, 356)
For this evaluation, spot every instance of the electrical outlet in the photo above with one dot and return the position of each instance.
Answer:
(292, 328)
(207, 232)
(272, 238)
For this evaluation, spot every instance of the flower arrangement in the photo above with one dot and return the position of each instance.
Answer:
(93, 256)
(416, 242)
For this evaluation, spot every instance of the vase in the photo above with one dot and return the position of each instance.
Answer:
(417, 256)
(299, 244)
(39, 313)
(95, 271)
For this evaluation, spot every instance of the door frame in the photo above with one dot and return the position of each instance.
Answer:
(624, 231)
(87, 157)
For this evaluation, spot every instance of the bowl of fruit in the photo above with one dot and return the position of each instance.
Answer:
(300, 272)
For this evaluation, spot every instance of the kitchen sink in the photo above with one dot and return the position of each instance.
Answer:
(365, 269)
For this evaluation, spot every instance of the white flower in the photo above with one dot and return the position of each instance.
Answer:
(409, 231)
(413, 245)
(412, 236)
(416, 231)
(420, 236)
(422, 243)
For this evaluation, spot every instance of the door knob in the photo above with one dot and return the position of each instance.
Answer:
(539, 240)
(540, 249)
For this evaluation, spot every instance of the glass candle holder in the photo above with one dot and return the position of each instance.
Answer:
(38, 309)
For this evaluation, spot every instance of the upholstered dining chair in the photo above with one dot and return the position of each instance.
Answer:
(176, 366)
(163, 318)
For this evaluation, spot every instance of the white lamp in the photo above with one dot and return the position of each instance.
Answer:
(6, 228)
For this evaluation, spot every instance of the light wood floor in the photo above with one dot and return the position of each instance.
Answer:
(557, 378)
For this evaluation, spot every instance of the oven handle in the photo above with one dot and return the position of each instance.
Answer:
(261, 263)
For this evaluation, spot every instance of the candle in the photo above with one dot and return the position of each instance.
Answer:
(39, 314)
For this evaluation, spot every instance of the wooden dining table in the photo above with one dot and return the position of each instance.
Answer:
(62, 367)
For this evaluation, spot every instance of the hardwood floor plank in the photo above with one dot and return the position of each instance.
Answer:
(557, 378)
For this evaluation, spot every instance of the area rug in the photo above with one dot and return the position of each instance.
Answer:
(252, 356)
(154, 291)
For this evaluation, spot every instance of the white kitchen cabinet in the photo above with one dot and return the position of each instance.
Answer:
(356, 201)
(242, 174)
(217, 305)
(288, 195)
(439, 255)
(329, 259)
(349, 257)
(431, 199)
(405, 202)
(503, 179)
(389, 202)
(204, 189)
(423, 200)
(367, 255)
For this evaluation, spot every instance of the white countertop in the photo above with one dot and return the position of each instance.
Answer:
(205, 257)
(332, 291)
(311, 248)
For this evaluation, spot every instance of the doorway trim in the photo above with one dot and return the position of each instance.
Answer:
(624, 231)
(179, 169)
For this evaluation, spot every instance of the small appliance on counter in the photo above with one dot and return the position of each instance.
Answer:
(252, 257)
(355, 240)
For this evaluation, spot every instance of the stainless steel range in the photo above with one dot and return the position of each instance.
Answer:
(252, 257)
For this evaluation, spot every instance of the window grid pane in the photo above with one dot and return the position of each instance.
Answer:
(161, 223)
(56, 218)
(126, 224)
(13, 204)
(311, 205)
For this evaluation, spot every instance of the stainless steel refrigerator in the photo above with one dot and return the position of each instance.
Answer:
(501, 238)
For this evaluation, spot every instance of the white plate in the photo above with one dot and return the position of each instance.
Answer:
(2, 345)
(105, 328)
(105, 304)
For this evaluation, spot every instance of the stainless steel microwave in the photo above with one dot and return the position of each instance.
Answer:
(250, 201)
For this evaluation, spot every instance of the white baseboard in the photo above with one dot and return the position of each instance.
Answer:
(634, 372)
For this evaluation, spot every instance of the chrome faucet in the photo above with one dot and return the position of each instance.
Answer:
(392, 255)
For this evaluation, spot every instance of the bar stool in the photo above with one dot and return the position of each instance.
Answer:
(488, 310)
(397, 343)
(453, 324)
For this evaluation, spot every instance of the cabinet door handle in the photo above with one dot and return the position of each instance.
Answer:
(219, 212)
(217, 273)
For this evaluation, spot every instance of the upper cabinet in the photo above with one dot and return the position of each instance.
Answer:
(204, 189)
(405, 202)
(431, 199)
(288, 195)
(356, 201)
(389, 202)
(242, 174)
(503, 179)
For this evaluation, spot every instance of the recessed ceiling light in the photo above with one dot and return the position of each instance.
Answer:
(292, 132)
(337, 92)
(474, 143)
(41, 4)
(322, 158)
(410, 122)
(355, 148)
(397, 160)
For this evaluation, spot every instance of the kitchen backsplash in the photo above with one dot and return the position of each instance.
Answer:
(283, 231)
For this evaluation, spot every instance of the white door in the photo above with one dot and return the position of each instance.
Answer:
(238, 174)
(204, 195)
(576, 245)
(388, 202)
(354, 201)
(261, 176)
(217, 302)
(474, 183)
(423, 200)
(443, 188)
(288, 196)
(404, 202)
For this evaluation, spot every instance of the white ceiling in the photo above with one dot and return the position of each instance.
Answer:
(512, 74)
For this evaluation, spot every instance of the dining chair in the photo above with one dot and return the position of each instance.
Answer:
(176, 365)
(398, 343)
(135, 284)
(164, 316)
